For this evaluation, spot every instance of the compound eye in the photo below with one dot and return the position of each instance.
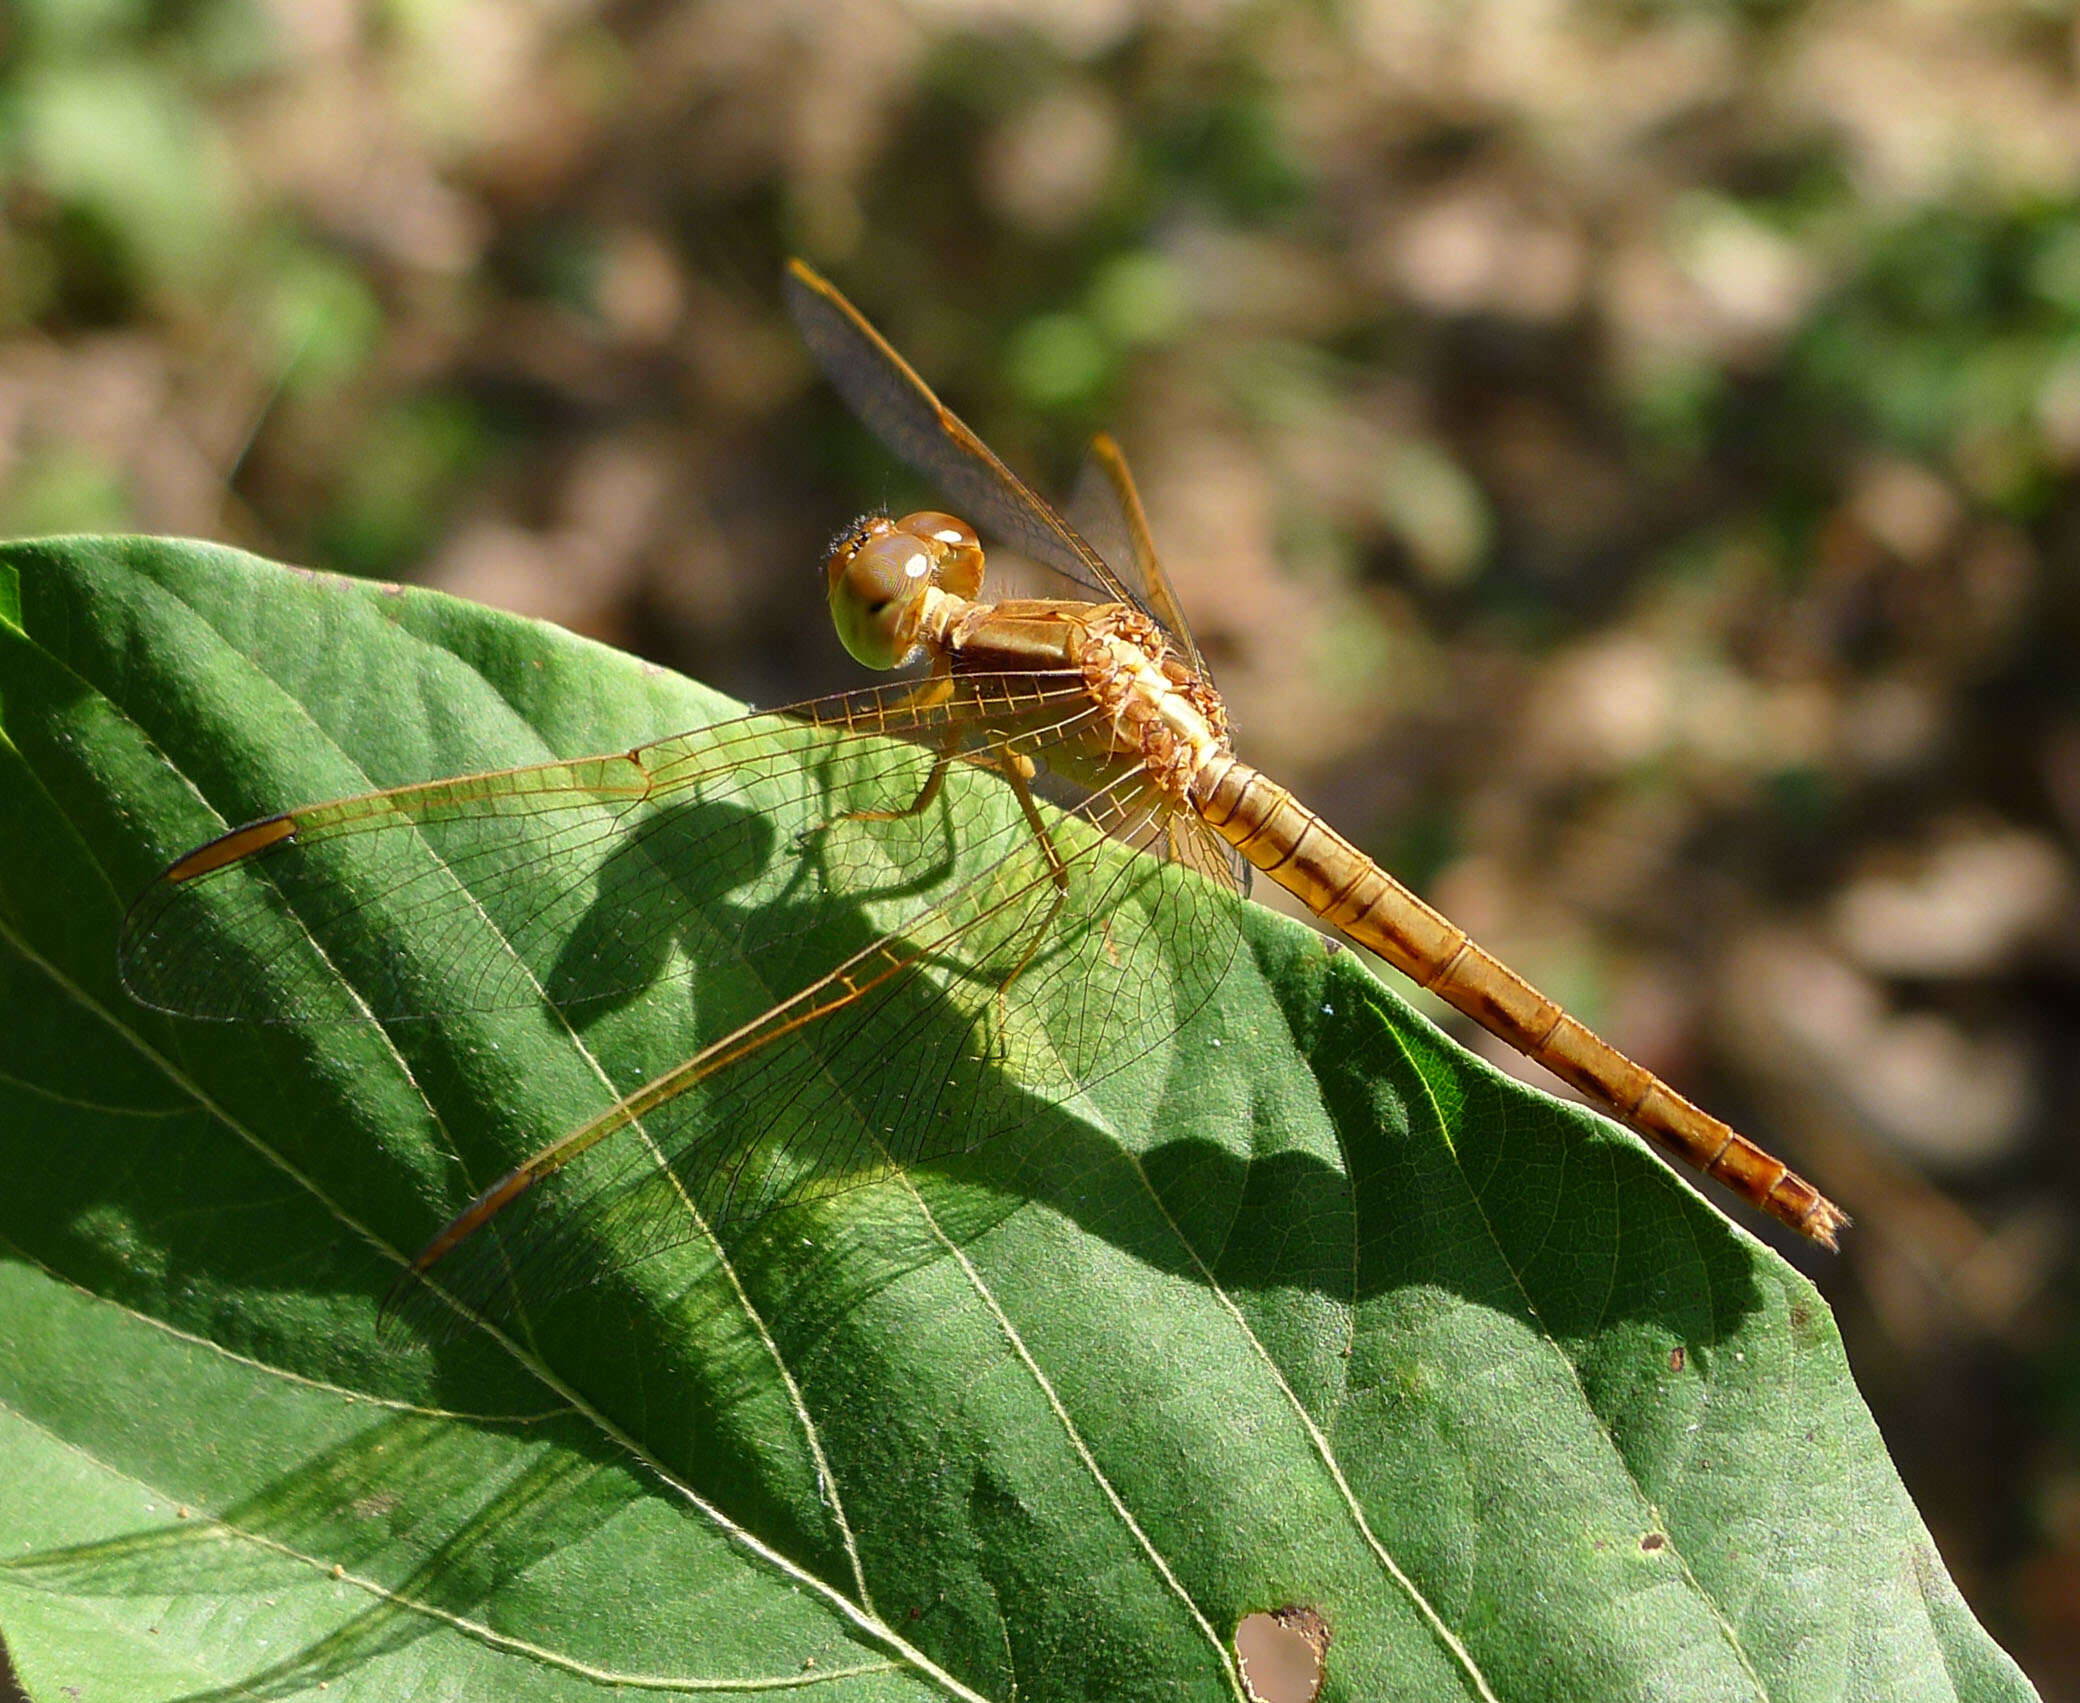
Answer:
(877, 595)
(851, 542)
(954, 545)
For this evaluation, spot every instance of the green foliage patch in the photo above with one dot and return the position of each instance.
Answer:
(1327, 1313)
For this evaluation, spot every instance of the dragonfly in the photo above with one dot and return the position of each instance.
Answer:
(911, 917)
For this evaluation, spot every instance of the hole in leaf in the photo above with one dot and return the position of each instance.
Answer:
(1284, 1654)
(1653, 1541)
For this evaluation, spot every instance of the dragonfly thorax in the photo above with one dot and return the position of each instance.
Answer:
(1155, 706)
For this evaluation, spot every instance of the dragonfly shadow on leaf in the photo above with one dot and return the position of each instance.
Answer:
(657, 910)
(996, 995)
(651, 891)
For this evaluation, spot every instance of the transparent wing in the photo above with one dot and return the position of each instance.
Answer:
(1106, 509)
(867, 991)
(574, 882)
(1064, 962)
(899, 408)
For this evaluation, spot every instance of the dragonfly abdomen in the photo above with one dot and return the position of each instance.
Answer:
(1340, 884)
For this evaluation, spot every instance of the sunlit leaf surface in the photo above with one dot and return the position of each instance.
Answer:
(1313, 1310)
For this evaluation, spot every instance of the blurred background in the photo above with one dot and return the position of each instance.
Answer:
(1623, 457)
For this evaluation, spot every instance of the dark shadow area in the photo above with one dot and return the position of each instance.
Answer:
(427, 1519)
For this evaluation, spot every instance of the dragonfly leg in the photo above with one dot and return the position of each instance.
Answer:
(1019, 771)
(942, 760)
(1015, 770)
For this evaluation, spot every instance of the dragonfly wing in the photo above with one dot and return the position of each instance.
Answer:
(573, 882)
(1187, 841)
(1106, 509)
(1052, 969)
(900, 409)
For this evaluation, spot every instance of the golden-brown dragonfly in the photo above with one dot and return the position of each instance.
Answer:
(867, 1000)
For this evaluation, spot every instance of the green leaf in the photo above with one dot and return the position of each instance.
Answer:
(1327, 1313)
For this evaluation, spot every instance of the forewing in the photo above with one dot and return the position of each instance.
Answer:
(899, 408)
(574, 882)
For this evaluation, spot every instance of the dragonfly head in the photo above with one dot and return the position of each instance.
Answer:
(881, 573)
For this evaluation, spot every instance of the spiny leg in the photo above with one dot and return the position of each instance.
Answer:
(1016, 770)
(942, 760)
